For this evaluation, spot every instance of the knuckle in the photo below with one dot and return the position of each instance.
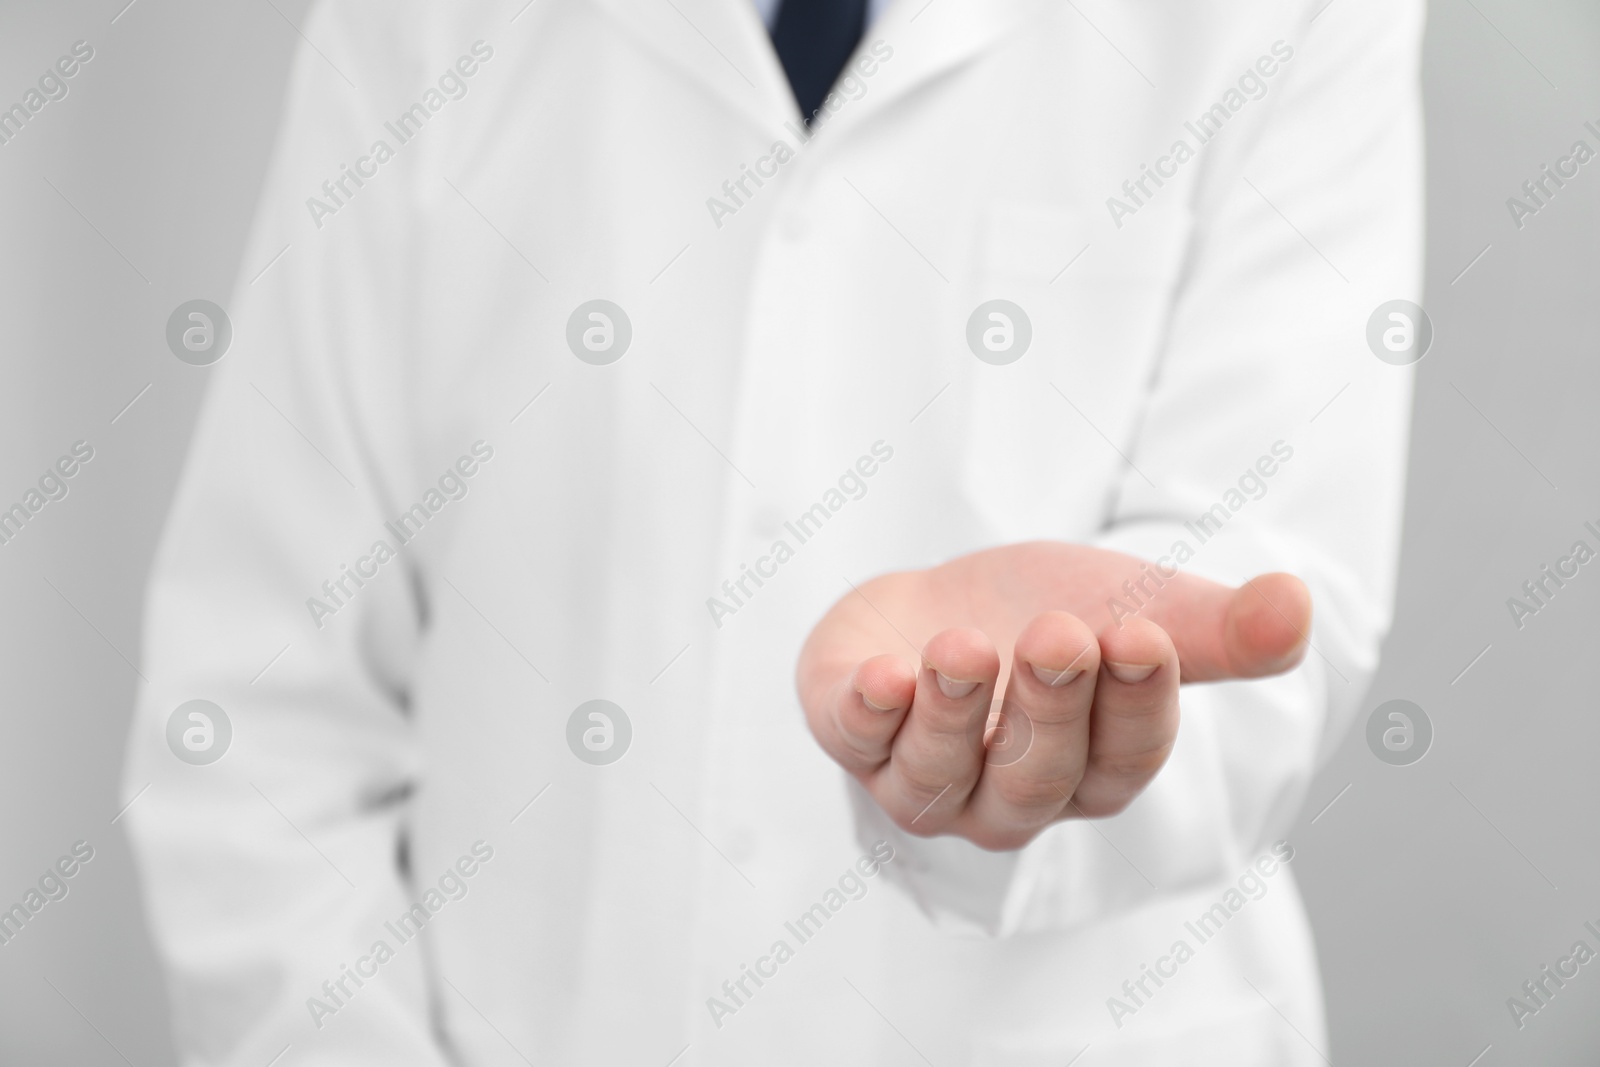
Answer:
(860, 747)
(1146, 710)
(1033, 795)
(923, 782)
(944, 719)
(924, 806)
(1134, 765)
(1056, 713)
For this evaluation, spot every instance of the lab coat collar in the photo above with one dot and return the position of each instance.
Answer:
(723, 45)
(932, 37)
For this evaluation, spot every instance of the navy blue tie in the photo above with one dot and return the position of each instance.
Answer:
(814, 38)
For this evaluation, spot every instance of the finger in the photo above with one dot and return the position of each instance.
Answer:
(1255, 630)
(937, 753)
(1135, 718)
(1039, 749)
(865, 712)
(1269, 624)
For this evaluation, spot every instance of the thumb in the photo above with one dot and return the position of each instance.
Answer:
(1258, 629)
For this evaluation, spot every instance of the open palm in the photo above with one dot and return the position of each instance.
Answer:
(1088, 711)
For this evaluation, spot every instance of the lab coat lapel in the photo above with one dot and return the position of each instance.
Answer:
(933, 37)
(721, 44)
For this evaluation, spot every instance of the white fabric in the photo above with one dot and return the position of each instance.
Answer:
(772, 347)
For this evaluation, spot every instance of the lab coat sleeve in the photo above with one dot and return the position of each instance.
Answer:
(274, 869)
(1299, 235)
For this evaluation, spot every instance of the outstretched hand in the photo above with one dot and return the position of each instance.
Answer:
(1088, 712)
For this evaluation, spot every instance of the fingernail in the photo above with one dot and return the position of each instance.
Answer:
(869, 702)
(953, 689)
(1129, 673)
(1055, 678)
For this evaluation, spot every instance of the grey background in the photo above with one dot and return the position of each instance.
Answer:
(1433, 888)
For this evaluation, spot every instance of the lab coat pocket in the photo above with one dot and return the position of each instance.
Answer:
(1066, 319)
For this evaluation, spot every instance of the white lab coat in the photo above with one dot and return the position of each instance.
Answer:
(773, 346)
